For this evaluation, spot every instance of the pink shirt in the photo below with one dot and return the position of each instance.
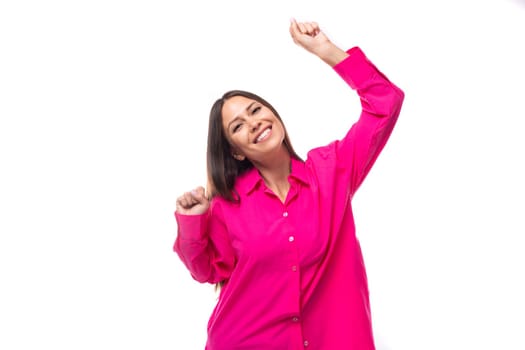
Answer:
(293, 271)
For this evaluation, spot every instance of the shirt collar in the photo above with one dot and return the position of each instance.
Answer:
(299, 171)
(251, 179)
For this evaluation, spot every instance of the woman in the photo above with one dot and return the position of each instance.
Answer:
(278, 233)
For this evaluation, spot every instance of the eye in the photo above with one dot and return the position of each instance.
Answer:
(236, 127)
(256, 109)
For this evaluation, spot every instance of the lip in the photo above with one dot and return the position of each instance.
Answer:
(260, 133)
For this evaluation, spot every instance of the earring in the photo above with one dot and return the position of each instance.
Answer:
(239, 157)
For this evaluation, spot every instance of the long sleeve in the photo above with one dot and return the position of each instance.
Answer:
(203, 246)
(381, 102)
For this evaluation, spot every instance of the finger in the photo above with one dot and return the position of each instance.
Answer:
(198, 195)
(302, 28)
(178, 203)
(294, 29)
(192, 198)
(309, 28)
(182, 203)
(201, 191)
(316, 28)
(188, 199)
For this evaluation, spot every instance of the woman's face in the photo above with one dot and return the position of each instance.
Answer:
(252, 129)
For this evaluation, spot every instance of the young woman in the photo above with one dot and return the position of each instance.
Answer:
(277, 233)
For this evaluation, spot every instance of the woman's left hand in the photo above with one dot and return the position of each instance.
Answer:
(309, 36)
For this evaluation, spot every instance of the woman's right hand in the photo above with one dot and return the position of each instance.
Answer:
(194, 202)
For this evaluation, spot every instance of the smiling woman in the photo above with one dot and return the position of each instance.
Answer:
(278, 232)
(103, 122)
(240, 124)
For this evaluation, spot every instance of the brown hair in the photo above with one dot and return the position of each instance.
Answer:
(222, 168)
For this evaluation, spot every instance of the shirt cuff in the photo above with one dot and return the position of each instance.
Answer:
(356, 69)
(192, 227)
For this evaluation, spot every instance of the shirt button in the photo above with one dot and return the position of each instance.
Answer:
(294, 268)
(285, 214)
(291, 238)
(306, 343)
(295, 319)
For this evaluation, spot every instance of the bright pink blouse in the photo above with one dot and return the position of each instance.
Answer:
(293, 271)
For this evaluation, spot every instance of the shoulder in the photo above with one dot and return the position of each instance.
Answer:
(322, 154)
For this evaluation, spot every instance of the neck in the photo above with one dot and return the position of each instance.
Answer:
(275, 173)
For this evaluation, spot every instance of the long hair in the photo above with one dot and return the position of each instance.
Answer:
(222, 168)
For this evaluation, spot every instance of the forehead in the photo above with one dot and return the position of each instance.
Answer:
(235, 106)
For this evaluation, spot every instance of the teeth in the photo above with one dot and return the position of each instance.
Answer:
(263, 135)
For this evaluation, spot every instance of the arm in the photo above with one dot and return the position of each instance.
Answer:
(202, 242)
(381, 103)
(380, 100)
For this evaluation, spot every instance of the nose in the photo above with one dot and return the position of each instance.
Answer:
(254, 124)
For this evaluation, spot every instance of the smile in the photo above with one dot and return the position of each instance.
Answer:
(263, 135)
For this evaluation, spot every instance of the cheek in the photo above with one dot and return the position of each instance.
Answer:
(281, 129)
(237, 141)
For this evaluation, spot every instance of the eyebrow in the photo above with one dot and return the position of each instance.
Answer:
(237, 117)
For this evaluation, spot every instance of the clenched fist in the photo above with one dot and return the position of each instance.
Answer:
(309, 36)
(194, 202)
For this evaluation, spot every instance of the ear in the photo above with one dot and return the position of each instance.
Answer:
(239, 157)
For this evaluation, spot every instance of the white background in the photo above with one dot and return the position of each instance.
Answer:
(104, 108)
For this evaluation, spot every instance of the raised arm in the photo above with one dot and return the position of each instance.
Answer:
(381, 101)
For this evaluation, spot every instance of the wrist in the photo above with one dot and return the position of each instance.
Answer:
(331, 54)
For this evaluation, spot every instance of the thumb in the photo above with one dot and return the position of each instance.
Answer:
(199, 194)
(295, 32)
